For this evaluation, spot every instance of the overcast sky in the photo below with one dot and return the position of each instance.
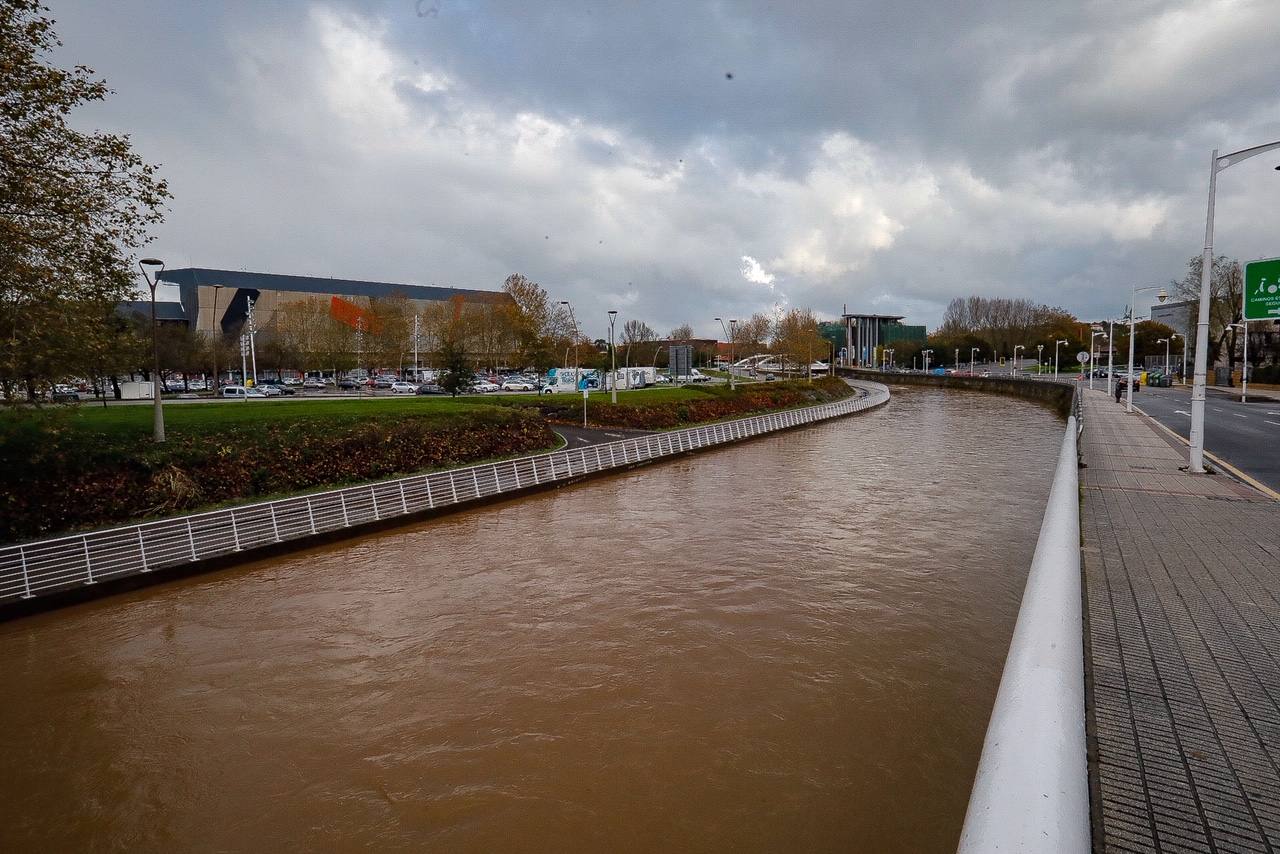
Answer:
(680, 161)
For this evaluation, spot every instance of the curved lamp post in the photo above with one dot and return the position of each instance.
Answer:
(157, 407)
(1195, 457)
(1055, 355)
(1093, 359)
(729, 337)
(613, 359)
(1133, 313)
(1014, 370)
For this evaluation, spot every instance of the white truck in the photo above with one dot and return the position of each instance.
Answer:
(639, 377)
(570, 380)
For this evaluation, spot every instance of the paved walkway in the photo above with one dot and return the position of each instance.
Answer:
(1182, 579)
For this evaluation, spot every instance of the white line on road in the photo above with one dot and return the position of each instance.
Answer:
(1181, 412)
(1238, 415)
(1265, 421)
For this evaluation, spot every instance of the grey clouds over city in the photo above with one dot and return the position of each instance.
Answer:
(680, 161)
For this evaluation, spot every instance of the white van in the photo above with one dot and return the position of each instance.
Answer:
(241, 392)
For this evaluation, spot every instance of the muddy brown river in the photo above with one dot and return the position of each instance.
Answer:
(791, 644)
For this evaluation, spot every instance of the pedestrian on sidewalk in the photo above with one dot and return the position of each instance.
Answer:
(1119, 389)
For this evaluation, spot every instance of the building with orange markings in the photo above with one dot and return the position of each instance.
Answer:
(218, 300)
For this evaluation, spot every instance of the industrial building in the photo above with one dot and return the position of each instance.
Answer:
(219, 299)
(864, 334)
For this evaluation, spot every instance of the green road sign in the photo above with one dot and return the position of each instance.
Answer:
(1262, 290)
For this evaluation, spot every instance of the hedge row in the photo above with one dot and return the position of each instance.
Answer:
(57, 480)
(717, 404)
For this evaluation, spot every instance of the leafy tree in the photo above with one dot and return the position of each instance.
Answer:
(456, 367)
(74, 206)
(1226, 284)
(797, 338)
(539, 327)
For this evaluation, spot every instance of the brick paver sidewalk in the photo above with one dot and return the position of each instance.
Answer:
(1182, 580)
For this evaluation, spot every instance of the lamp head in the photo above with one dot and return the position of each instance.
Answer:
(151, 262)
(1162, 296)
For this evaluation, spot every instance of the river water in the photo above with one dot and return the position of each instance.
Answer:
(789, 644)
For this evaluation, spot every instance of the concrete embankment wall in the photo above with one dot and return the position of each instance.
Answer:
(90, 564)
(1055, 394)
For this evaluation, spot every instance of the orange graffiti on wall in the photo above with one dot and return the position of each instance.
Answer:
(349, 313)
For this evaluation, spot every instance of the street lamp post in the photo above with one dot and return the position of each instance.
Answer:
(1243, 326)
(1093, 349)
(577, 372)
(957, 360)
(613, 360)
(1055, 355)
(1133, 313)
(157, 409)
(217, 338)
(1183, 376)
(892, 361)
(1165, 342)
(1014, 370)
(927, 354)
(1216, 165)
(729, 336)
(1039, 357)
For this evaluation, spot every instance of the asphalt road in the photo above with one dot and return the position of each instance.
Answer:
(1247, 435)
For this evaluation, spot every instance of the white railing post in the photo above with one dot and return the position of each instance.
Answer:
(275, 527)
(88, 564)
(431, 501)
(26, 578)
(404, 503)
(373, 493)
(191, 540)
(497, 484)
(142, 550)
(515, 470)
(346, 520)
(453, 486)
(475, 480)
(235, 530)
(311, 514)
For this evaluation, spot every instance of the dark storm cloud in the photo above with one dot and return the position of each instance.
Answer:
(630, 155)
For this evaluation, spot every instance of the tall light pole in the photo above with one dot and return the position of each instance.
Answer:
(613, 359)
(1244, 366)
(253, 345)
(157, 409)
(1093, 349)
(957, 360)
(577, 372)
(1182, 378)
(1216, 164)
(216, 332)
(927, 354)
(1014, 370)
(892, 361)
(729, 337)
(1133, 313)
(417, 331)
(1055, 355)
(1165, 342)
(972, 352)
(1039, 357)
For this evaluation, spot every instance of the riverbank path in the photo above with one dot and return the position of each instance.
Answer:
(1182, 588)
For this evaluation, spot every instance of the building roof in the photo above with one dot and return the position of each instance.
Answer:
(890, 317)
(165, 311)
(317, 285)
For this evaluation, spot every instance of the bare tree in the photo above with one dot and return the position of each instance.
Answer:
(1226, 284)
(683, 332)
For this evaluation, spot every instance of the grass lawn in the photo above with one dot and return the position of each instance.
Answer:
(124, 422)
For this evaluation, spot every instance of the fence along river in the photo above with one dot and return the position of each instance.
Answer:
(792, 643)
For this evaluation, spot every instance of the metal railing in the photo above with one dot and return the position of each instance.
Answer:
(58, 564)
(1031, 791)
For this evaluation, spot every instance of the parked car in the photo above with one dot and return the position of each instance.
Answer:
(239, 391)
(517, 384)
(314, 384)
(270, 390)
(403, 388)
(430, 388)
(348, 384)
(277, 388)
(485, 387)
(384, 381)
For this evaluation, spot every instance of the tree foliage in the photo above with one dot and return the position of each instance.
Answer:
(74, 206)
(1226, 285)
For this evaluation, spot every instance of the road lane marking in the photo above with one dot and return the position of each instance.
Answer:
(1181, 412)
(1265, 421)
(1238, 415)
